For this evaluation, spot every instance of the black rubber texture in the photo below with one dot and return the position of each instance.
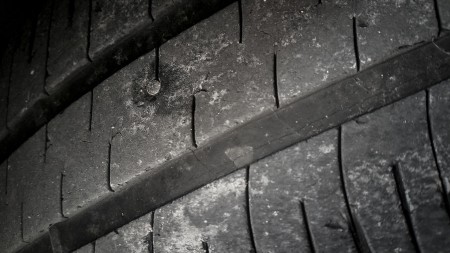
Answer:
(361, 93)
(177, 18)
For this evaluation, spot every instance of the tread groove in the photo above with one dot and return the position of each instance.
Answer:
(398, 177)
(8, 90)
(6, 176)
(32, 39)
(355, 45)
(275, 80)
(61, 196)
(93, 247)
(91, 109)
(361, 242)
(21, 223)
(241, 28)
(445, 196)
(205, 246)
(311, 239)
(47, 53)
(88, 37)
(150, 10)
(71, 11)
(46, 143)
(438, 17)
(151, 246)
(194, 140)
(108, 171)
(249, 218)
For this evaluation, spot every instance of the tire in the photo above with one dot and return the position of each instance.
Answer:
(227, 127)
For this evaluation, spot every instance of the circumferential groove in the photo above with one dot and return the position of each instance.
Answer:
(405, 205)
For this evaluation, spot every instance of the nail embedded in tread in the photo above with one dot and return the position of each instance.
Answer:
(153, 87)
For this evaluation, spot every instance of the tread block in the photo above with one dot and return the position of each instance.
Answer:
(113, 20)
(80, 156)
(230, 81)
(210, 219)
(144, 131)
(10, 231)
(134, 237)
(313, 42)
(373, 145)
(379, 39)
(68, 41)
(439, 112)
(42, 198)
(307, 172)
(28, 69)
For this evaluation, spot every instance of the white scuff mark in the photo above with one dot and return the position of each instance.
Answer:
(326, 149)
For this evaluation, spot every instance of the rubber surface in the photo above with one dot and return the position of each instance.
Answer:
(163, 101)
